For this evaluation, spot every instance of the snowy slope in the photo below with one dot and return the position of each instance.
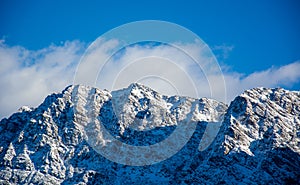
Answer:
(63, 141)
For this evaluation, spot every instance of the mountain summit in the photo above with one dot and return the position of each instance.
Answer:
(135, 135)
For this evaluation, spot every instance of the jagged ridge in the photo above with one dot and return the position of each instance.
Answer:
(257, 143)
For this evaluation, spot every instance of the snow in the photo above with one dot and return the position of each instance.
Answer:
(257, 138)
(24, 108)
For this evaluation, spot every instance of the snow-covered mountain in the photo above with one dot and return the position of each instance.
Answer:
(71, 138)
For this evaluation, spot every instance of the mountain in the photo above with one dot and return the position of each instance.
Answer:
(135, 135)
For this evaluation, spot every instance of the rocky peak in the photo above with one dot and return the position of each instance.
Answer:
(270, 116)
(52, 144)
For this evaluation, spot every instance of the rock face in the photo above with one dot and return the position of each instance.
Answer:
(62, 141)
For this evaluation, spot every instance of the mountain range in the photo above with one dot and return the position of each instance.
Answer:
(135, 135)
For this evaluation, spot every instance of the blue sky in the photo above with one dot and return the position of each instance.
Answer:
(248, 37)
(263, 33)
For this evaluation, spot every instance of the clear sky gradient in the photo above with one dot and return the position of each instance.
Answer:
(263, 33)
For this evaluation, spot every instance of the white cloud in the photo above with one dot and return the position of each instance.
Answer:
(27, 77)
(284, 76)
(223, 50)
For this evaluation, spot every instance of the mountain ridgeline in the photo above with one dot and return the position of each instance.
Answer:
(85, 135)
